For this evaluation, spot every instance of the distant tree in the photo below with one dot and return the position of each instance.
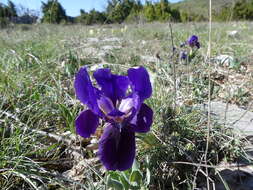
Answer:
(8, 11)
(112, 10)
(82, 17)
(184, 16)
(11, 9)
(149, 11)
(53, 12)
(225, 14)
(118, 10)
(163, 11)
(82, 11)
(135, 14)
(93, 17)
(2, 11)
(175, 15)
(243, 10)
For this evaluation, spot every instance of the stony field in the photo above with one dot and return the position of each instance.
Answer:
(38, 107)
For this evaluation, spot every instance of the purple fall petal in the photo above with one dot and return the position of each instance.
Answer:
(113, 86)
(86, 123)
(117, 148)
(140, 82)
(144, 119)
(85, 91)
(193, 41)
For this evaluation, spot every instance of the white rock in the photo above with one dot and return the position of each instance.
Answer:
(224, 60)
(233, 33)
(92, 40)
(91, 31)
(90, 51)
(94, 141)
(101, 54)
(236, 118)
(107, 48)
(149, 59)
(143, 42)
(114, 39)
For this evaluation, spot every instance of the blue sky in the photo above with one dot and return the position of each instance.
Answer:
(72, 7)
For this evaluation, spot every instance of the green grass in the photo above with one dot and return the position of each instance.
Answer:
(37, 68)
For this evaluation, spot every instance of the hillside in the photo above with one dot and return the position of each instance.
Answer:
(201, 7)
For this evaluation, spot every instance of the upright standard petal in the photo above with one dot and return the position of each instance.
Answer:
(128, 103)
(86, 123)
(130, 106)
(105, 104)
(117, 148)
(140, 82)
(143, 120)
(113, 86)
(85, 91)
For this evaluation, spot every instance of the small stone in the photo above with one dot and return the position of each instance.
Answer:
(114, 39)
(92, 40)
(94, 141)
(143, 42)
(91, 32)
(90, 51)
(224, 60)
(149, 59)
(108, 48)
(233, 33)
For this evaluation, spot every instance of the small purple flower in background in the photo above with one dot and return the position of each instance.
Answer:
(193, 41)
(119, 102)
(182, 44)
(183, 55)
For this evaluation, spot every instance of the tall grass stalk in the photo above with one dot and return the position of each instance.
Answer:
(208, 59)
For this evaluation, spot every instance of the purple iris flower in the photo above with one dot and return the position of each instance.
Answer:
(193, 41)
(183, 55)
(118, 101)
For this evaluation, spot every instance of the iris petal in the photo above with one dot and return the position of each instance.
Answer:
(113, 86)
(116, 113)
(193, 41)
(127, 104)
(117, 148)
(85, 91)
(140, 82)
(86, 123)
(105, 105)
(143, 120)
(132, 101)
